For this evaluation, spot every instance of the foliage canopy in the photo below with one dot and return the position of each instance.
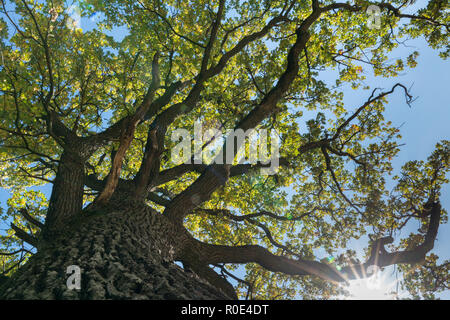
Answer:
(232, 64)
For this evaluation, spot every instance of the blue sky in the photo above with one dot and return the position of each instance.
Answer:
(424, 124)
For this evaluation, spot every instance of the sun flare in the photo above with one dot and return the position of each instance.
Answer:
(376, 287)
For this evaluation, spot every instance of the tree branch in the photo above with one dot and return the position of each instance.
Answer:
(24, 235)
(214, 254)
(214, 177)
(31, 219)
(128, 129)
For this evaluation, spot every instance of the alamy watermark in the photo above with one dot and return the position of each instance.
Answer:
(74, 280)
(212, 145)
(74, 16)
(374, 13)
(374, 281)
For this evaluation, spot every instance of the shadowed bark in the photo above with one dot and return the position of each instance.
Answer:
(123, 254)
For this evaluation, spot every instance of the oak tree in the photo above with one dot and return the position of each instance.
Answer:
(92, 112)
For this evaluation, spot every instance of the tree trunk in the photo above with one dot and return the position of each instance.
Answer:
(123, 252)
(66, 200)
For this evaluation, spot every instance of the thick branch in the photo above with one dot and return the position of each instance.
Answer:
(150, 161)
(30, 219)
(214, 254)
(24, 235)
(127, 136)
(212, 38)
(236, 170)
(171, 113)
(214, 177)
(380, 257)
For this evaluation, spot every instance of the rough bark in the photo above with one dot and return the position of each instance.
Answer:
(123, 254)
(67, 196)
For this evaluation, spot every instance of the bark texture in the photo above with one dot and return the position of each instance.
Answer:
(123, 254)
(68, 181)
